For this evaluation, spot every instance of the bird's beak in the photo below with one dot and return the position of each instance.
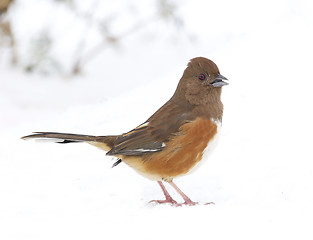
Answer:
(219, 81)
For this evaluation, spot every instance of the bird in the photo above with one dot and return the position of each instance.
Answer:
(176, 139)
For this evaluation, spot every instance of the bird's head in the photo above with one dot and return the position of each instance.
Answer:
(201, 82)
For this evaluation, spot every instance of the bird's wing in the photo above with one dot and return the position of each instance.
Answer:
(152, 135)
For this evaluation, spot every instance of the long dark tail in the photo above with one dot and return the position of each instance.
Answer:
(104, 142)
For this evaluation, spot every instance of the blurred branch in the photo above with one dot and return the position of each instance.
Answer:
(4, 5)
(41, 59)
(43, 46)
(5, 29)
(82, 43)
(166, 11)
(107, 42)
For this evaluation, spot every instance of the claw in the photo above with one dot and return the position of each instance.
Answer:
(170, 201)
(174, 203)
(190, 203)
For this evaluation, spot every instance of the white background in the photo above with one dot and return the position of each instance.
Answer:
(260, 176)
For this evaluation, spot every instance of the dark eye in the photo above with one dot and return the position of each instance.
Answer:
(201, 76)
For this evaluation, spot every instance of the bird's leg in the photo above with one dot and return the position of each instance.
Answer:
(184, 196)
(168, 198)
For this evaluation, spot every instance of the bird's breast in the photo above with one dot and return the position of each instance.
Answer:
(184, 151)
(211, 145)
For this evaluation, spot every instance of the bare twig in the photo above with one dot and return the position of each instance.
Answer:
(165, 10)
(81, 45)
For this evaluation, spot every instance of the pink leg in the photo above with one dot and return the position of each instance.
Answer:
(184, 196)
(168, 198)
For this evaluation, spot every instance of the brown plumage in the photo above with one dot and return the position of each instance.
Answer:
(176, 137)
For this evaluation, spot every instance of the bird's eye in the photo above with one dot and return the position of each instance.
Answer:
(201, 76)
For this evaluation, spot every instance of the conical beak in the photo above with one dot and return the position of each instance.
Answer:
(219, 81)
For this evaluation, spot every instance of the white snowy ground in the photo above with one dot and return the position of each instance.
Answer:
(260, 176)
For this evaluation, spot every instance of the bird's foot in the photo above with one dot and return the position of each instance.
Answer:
(168, 200)
(189, 203)
(174, 203)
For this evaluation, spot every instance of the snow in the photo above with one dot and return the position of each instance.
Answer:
(259, 177)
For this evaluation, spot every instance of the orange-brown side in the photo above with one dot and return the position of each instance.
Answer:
(181, 154)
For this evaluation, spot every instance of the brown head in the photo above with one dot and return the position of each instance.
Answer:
(201, 82)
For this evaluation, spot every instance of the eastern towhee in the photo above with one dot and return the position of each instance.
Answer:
(176, 138)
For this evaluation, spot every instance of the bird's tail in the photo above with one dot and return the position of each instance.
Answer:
(103, 142)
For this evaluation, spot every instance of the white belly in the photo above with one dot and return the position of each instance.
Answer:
(210, 147)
